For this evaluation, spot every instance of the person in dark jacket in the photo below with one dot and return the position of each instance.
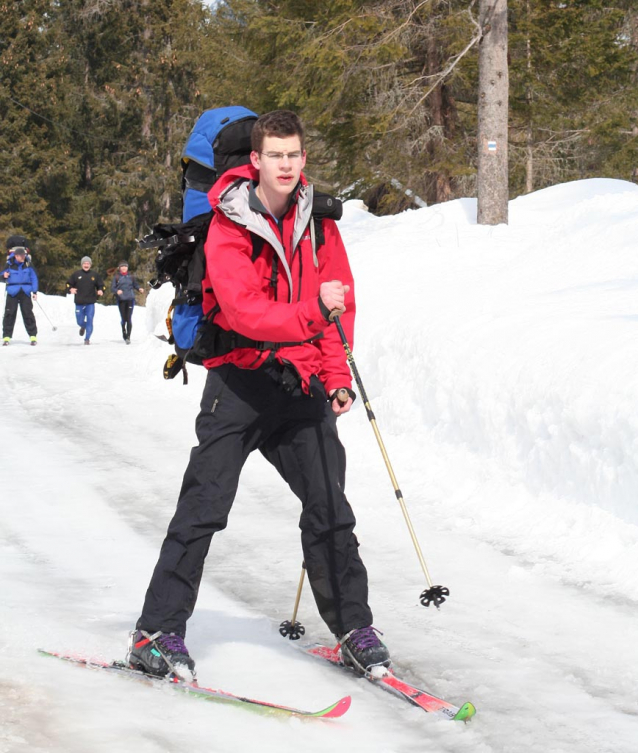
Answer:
(278, 388)
(22, 284)
(86, 286)
(124, 286)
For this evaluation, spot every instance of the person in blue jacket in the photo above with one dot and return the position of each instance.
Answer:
(13, 241)
(22, 284)
(124, 286)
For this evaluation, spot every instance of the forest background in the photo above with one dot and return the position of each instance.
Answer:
(97, 98)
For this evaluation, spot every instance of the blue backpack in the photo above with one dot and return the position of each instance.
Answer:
(220, 140)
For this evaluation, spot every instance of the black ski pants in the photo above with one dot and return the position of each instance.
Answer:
(22, 300)
(126, 315)
(243, 410)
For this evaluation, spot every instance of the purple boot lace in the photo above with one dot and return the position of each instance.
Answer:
(366, 637)
(173, 643)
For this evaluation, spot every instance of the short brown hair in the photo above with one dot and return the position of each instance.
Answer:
(281, 123)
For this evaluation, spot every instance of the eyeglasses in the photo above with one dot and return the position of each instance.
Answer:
(278, 156)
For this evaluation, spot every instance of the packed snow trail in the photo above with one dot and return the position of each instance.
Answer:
(502, 380)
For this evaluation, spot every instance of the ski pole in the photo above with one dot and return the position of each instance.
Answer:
(434, 594)
(45, 313)
(291, 628)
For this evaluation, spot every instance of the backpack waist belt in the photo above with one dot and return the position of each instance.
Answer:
(228, 340)
(213, 341)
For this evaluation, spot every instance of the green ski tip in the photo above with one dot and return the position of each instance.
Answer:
(465, 713)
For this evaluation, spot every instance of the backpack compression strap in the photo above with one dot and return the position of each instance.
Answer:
(155, 241)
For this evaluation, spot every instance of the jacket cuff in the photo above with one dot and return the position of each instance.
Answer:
(336, 382)
(316, 321)
(325, 311)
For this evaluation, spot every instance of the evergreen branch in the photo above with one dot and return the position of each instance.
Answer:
(57, 124)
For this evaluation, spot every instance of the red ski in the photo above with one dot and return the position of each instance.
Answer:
(193, 689)
(386, 679)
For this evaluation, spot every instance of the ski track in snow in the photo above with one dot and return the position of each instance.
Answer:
(515, 454)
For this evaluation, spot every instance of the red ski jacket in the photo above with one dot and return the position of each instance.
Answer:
(281, 308)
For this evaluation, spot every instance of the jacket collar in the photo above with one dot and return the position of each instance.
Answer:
(231, 196)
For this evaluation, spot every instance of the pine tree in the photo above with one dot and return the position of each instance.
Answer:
(37, 167)
(98, 97)
(572, 71)
(372, 80)
(136, 103)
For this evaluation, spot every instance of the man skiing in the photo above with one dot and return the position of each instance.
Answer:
(86, 286)
(22, 284)
(272, 386)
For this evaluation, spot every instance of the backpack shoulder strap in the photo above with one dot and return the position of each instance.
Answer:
(258, 246)
(313, 237)
(324, 206)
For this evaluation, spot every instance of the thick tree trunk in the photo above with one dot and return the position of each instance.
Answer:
(493, 114)
(442, 116)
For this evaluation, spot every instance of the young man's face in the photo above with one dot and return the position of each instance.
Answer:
(280, 163)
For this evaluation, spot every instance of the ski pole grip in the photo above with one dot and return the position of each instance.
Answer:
(343, 396)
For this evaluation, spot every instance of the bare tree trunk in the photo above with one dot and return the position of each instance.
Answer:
(147, 115)
(166, 196)
(493, 110)
(631, 25)
(529, 161)
(442, 117)
(88, 169)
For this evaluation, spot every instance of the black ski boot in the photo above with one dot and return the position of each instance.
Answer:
(160, 654)
(362, 649)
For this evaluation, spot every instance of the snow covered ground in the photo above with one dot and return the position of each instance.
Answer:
(501, 365)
